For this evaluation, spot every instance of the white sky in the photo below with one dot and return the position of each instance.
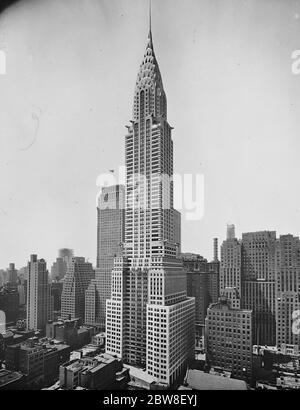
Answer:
(68, 94)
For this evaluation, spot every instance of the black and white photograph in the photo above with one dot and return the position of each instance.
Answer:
(149, 198)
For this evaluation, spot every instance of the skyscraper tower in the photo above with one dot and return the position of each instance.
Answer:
(39, 303)
(216, 257)
(77, 280)
(287, 271)
(230, 269)
(258, 283)
(12, 275)
(110, 237)
(150, 319)
(247, 279)
(60, 266)
(230, 231)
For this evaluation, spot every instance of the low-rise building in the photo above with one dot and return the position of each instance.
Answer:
(38, 360)
(93, 373)
(70, 332)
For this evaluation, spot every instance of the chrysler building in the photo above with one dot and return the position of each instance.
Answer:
(149, 318)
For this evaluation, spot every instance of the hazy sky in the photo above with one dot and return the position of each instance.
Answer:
(68, 94)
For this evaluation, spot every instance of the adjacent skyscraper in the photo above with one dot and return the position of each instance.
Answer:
(110, 238)
(287, 270)
(78, 277)
(231, 268)
(247, 279)
(150, 319)
(39, 303)
(228, 339)
(203, 285)
(198, 287)
(258, 270)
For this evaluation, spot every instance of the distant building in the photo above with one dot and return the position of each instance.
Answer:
(66, 254)
(216, 251)
(58, 269)
(12, 275)
(230, 231)
(228, 339)
(60, 266)
(69, 332)
(258, 289)
(78, 277)
(39, 302)
(214, 271)
(247, 278)
(2, 277)
(110, 237)
(231, 270)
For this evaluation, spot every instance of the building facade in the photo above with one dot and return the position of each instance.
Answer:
(247, 278)
(228, 339)
(258, 267)
(78, 277)
(203, 285)
(38, 360)
(150, 319)
(231, 268)
(9, 304)
(39, 302)
(110, 237)
(287, 270)
(60, 266)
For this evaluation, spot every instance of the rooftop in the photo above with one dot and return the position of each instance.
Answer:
(140, 374)
(7, 377)
(198, 380)
(89, 363)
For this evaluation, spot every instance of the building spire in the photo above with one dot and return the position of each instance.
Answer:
(150, 21)
(150, 12)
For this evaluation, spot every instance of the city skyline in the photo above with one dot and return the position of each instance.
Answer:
(217, 72)
(171, 300)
